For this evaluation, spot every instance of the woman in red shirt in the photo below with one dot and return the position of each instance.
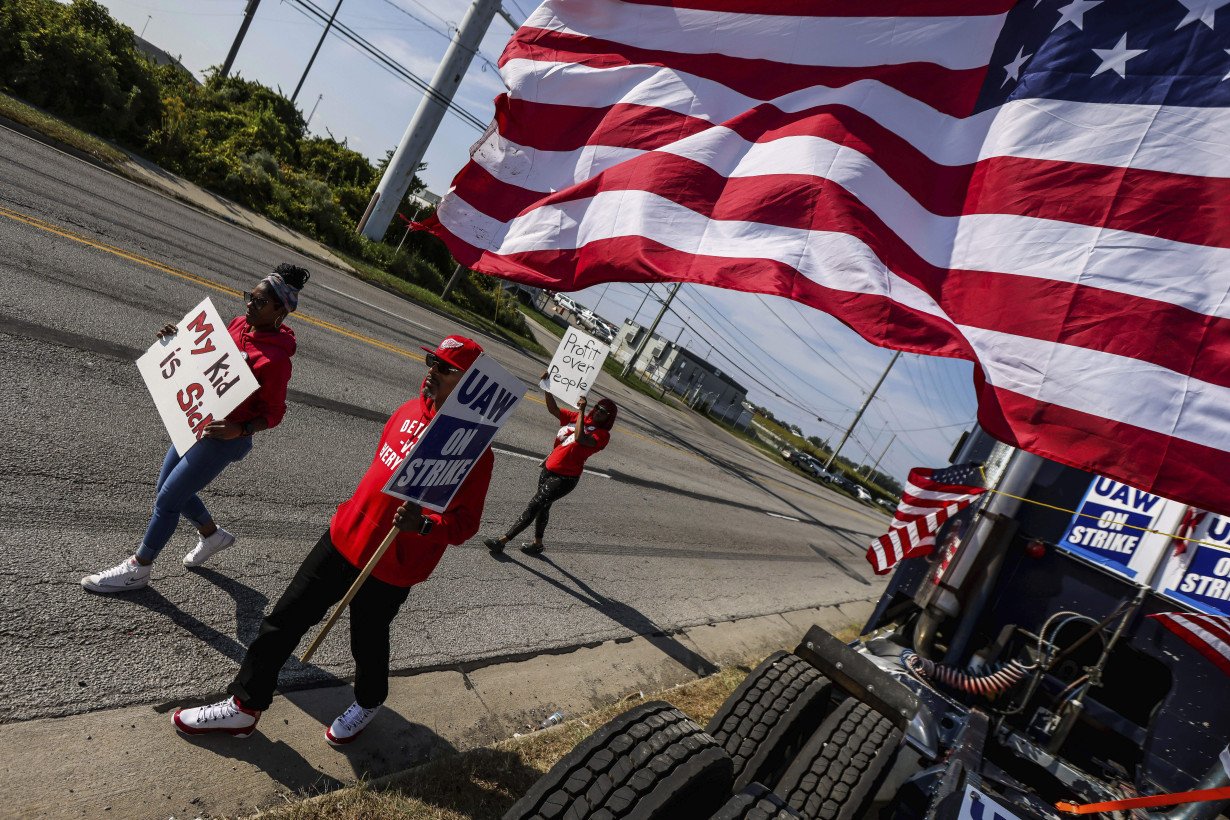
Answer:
(574, 443)
(266, 345)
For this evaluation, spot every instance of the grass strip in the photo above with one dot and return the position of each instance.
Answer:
(60, 131)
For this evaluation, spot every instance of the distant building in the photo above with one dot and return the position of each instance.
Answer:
(423, 199)
(160, 57)
(682, 372)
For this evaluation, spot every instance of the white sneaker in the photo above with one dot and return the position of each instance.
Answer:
(207, 548)
(350, 724)
(227, 716)
(124, 577)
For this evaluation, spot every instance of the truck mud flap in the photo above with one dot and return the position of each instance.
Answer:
(859, 677)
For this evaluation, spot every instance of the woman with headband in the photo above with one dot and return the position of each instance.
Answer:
(266, 345)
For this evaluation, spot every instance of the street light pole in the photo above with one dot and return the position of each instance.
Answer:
(881, 458)
(862, 410)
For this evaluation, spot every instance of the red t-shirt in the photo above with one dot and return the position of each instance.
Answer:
(568, 457)
(268, 354)
(361, 523)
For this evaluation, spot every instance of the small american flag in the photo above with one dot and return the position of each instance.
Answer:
(1208, 634)
(931, 497)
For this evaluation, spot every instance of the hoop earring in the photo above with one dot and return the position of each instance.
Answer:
(278, 322)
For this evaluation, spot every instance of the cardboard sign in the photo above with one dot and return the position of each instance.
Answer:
(576, 365)
(197, 376)
(1200, 576)
(1109, 527)
(434, 468)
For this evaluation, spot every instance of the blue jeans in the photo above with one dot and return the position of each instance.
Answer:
(178, 484)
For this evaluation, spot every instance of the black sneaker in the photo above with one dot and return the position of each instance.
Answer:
(532, 549)
(493, 544)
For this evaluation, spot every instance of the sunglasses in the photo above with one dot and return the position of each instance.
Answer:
(252, 299)
(442, 367)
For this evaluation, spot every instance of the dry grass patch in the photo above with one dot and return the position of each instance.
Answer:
(483, 783)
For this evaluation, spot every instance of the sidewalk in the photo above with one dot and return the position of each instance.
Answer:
(131, 763)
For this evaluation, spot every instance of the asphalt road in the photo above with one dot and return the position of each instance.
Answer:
(685, 529)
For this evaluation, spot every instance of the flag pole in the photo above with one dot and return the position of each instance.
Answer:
(354, 588)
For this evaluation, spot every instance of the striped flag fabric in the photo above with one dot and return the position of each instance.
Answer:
(930, 498)
(1041, 188)
(1207, 634)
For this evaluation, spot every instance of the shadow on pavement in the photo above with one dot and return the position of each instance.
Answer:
(390, 744)
(623, 614)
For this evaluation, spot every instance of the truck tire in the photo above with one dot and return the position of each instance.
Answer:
(756, 803)
(649, 763)
(770, 716)
(837, 772)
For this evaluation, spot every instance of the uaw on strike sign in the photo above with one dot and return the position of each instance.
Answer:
(197, 376)
(434, 468)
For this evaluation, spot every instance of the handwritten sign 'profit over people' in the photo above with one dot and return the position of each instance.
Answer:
(197, 376)
(576, 365)
(433, 469)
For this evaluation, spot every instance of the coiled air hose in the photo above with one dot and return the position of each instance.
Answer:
(1003, 678)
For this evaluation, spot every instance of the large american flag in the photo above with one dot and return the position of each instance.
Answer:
(931, 497)
(1042, 188)
(1208, 634)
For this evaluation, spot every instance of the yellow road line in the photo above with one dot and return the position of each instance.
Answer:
(198, 280)
(34, 222)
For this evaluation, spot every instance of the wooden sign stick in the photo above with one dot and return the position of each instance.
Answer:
(354, 588)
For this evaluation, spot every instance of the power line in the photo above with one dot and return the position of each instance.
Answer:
(821, 356)
(307, 7)
(822, 337)
(446, 35)
(712, 311)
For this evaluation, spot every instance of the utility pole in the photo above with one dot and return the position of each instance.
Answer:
(665, 306)
(862, 410)
(315, 51)
(248, 13)
(881, 458)
(400, 172)
(636, 317)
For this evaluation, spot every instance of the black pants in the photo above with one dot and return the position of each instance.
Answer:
(322, 580)
(551, 488)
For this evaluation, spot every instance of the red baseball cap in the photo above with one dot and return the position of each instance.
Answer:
(458, 351)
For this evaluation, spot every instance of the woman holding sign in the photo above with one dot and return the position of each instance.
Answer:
(579, 438)
(267, 345)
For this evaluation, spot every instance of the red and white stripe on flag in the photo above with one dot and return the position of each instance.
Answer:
(930, 498)
(886, 162)
(1208, 634)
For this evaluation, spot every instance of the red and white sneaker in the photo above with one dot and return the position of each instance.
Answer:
(350, 724)
(227, 716)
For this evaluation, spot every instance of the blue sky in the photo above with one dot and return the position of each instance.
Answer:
(815, 365)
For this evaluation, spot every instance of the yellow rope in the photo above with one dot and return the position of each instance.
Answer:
(1175, 536)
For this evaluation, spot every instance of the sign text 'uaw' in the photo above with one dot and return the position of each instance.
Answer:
(435, 467)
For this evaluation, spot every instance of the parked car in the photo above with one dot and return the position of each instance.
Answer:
(861, 493)
(565, 301)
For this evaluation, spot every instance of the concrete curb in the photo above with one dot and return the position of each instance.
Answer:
(131, 763)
